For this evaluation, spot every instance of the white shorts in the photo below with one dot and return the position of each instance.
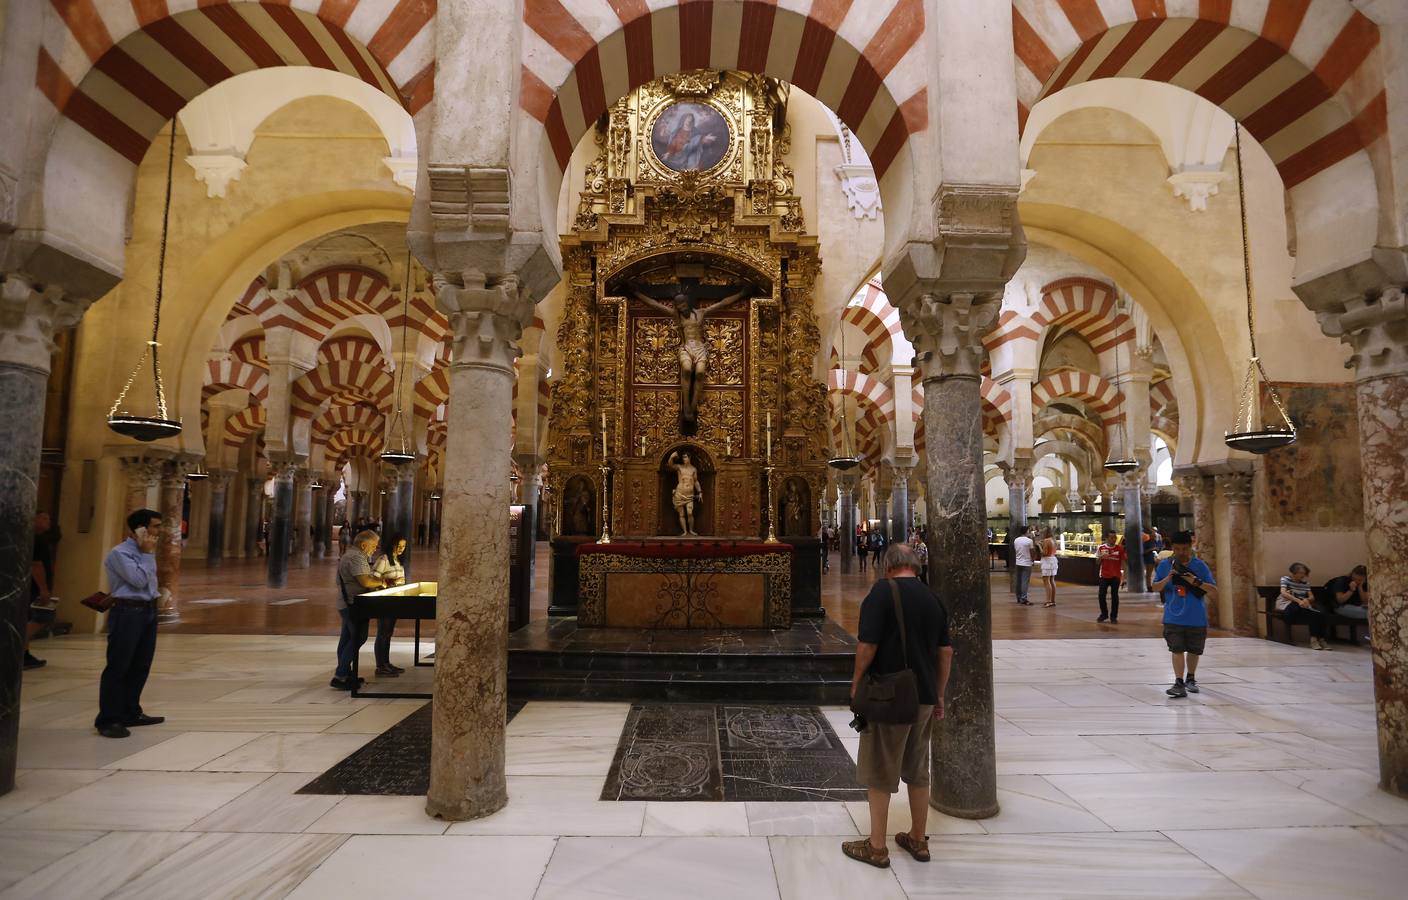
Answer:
(1048, 566)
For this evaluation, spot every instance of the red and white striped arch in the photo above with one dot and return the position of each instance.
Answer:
(242, 424)
(1011, 326)
(250, 351)
(354, 441)
(879, 321)
(1162, 399)
(865, 60)
(352, 348)
(350, 379)
(1103, 398)
(1087, 307)
(869, 389)
(1303, 76)
(327, 297)
(336, 418)
(234, 374)
(432, 391)
(121, 69)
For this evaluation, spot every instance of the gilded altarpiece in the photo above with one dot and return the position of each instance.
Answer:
(689, 192)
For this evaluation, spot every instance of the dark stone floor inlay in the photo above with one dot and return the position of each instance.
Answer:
(395, 762)
(682, 751)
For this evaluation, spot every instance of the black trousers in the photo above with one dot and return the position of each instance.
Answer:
(1314, 618)
(349, 643)
(131, 646)
(385, 628)
(1113, 584)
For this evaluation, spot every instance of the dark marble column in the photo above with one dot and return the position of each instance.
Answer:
(1018, 478)
(215, 538)
(899, 505)
(405, 511)
(1130, 500)
(253, 515)
(280, 524)
(846, 485)
(319, 519)
(302, 527)
(947, 334)
(329, 517)
(31, 317)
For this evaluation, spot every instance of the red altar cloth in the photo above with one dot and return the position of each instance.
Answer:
(683, 549)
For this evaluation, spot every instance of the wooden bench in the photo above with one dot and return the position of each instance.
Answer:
(1323, 600)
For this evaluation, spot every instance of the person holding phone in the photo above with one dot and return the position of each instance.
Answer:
(1186, 584)
(132, 587)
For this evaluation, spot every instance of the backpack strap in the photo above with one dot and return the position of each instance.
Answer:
(899, 615)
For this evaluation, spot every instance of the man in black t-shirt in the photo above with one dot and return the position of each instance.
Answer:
(1350, 594)
(891, 753)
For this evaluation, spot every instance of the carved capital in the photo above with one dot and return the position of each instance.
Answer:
(1235, 486)
(143, 472)
(30, 316)
(1375, 326)
(487, 321)
(861, 189)
(947, 332)
(1196, 185)
(1018, 476)
(216, 171)
(1193, 486)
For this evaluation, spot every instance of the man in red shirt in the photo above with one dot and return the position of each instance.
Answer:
(1111, 556)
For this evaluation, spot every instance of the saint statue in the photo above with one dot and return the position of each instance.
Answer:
(687, 491)
(694, 349)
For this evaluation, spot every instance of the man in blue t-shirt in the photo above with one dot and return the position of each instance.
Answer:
(1186, 585)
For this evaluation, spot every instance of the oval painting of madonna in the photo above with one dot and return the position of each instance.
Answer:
(690, 137)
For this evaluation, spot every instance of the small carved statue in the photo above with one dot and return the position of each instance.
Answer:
(694, 350)
(687, 491)
(792, 510)
(579, 510)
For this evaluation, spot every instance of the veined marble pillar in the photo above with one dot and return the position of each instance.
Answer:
(899, 506)
(471, 646)
(31, 316)
(1133, 528)
(882, 512)
(280, 524)
(168, 548)
(1197, 488)
(215, 535)
(1239, 584)
(845, 486)
(302, 527)
(947, 334)
(253, 515)
(1019, 478)
(143, 474)
(405, 510)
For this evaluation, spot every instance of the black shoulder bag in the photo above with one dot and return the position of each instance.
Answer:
(891, 698)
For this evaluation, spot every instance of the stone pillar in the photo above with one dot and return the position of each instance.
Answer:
(215, 533)
(329, 516)
(168, 548)
(899, 505)
(280, 524)
(1196, 488)
(29, 317)
(1239, 585)
(471, 679)
(1018, 477)
(320, 511)
(143, 474)
(302, 519)
(1133, 528)
(405, 510)
(845, 485)
(947, 333)
(253, 515)
(882, 512)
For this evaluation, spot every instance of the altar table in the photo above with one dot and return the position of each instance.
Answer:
(685, 583)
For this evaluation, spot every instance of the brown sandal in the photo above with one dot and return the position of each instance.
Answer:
(861, 851)
(917, 849)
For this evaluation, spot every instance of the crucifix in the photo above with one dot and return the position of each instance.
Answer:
(694, 349)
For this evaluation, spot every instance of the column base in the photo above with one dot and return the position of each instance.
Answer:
(982, 812)
(465, 810)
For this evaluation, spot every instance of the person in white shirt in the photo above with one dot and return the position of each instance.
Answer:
(389, 569)
(1022, 549)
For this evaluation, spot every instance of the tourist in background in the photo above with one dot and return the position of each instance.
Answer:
(1350, 593)
(41, 580)
(921, 550)
(1023, 548)
(132, 587)
(863, 548)
(877, 547)
(1151, 558)
(1296, 604)
(389, 568)
(1112, 577)
(891, 753)
(1187, 586)
(1048, 567)
(354, 576)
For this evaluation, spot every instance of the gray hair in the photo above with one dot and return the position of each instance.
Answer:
(900, 556)
(364, 536)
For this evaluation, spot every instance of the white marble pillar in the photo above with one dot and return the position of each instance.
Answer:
(1239, 584)
(168, 548)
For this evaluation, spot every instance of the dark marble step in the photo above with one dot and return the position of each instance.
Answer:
(526, 661)
(692, 687)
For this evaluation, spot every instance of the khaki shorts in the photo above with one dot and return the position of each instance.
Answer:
(891, 753)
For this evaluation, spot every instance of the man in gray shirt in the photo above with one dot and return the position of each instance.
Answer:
(354, 576)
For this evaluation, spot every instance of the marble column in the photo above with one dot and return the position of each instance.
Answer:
(899, 506)
(1196, 488)
(405, 511)
(215, 534)
(143, 475)
(1239, 585)
(947, 334)
(253, 515)
(31, 316)
(471, 646)
(845, 486)
(280, 524)
(168, 548)
(1018, 477)
(302, 519)
(882, 512)
(319, 520)
(1133, 528)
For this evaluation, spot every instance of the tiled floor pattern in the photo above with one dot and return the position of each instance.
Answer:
(1263, 785)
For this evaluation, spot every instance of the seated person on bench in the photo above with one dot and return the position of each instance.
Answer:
(1296, 604)
(1351, 594)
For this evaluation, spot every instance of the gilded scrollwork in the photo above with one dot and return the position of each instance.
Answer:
(655, 344)
(721, 419)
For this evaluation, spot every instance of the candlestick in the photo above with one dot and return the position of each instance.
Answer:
(603, 436)
(728, 445)
(642, 445)
(603, 420)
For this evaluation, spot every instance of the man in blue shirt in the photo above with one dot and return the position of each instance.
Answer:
(1186, 586)
(131, 570)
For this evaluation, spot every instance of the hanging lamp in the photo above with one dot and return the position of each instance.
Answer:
(1249, 432)
(120, 420)
(846, 458)
(198, 473)
(1126, 463)
(397, 454)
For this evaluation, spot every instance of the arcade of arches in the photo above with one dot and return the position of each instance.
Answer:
(982, 247)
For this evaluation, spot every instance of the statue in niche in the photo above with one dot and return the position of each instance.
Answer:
(687, 491)
(694, 349)
(578, 510)
(793, 510)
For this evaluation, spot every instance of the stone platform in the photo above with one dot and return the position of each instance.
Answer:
(811, 662)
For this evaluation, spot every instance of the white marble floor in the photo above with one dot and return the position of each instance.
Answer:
(1263, 785)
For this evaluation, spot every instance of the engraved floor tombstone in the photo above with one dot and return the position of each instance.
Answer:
(395, 763)
(682, 751)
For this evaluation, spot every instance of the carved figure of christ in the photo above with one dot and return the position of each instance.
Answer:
(694, 349)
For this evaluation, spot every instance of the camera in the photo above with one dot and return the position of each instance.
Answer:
(1179, 570)
(858, 723)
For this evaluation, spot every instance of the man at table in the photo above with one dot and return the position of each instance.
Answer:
(354, 576)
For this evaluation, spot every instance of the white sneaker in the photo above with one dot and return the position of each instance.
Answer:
(1316, 644)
